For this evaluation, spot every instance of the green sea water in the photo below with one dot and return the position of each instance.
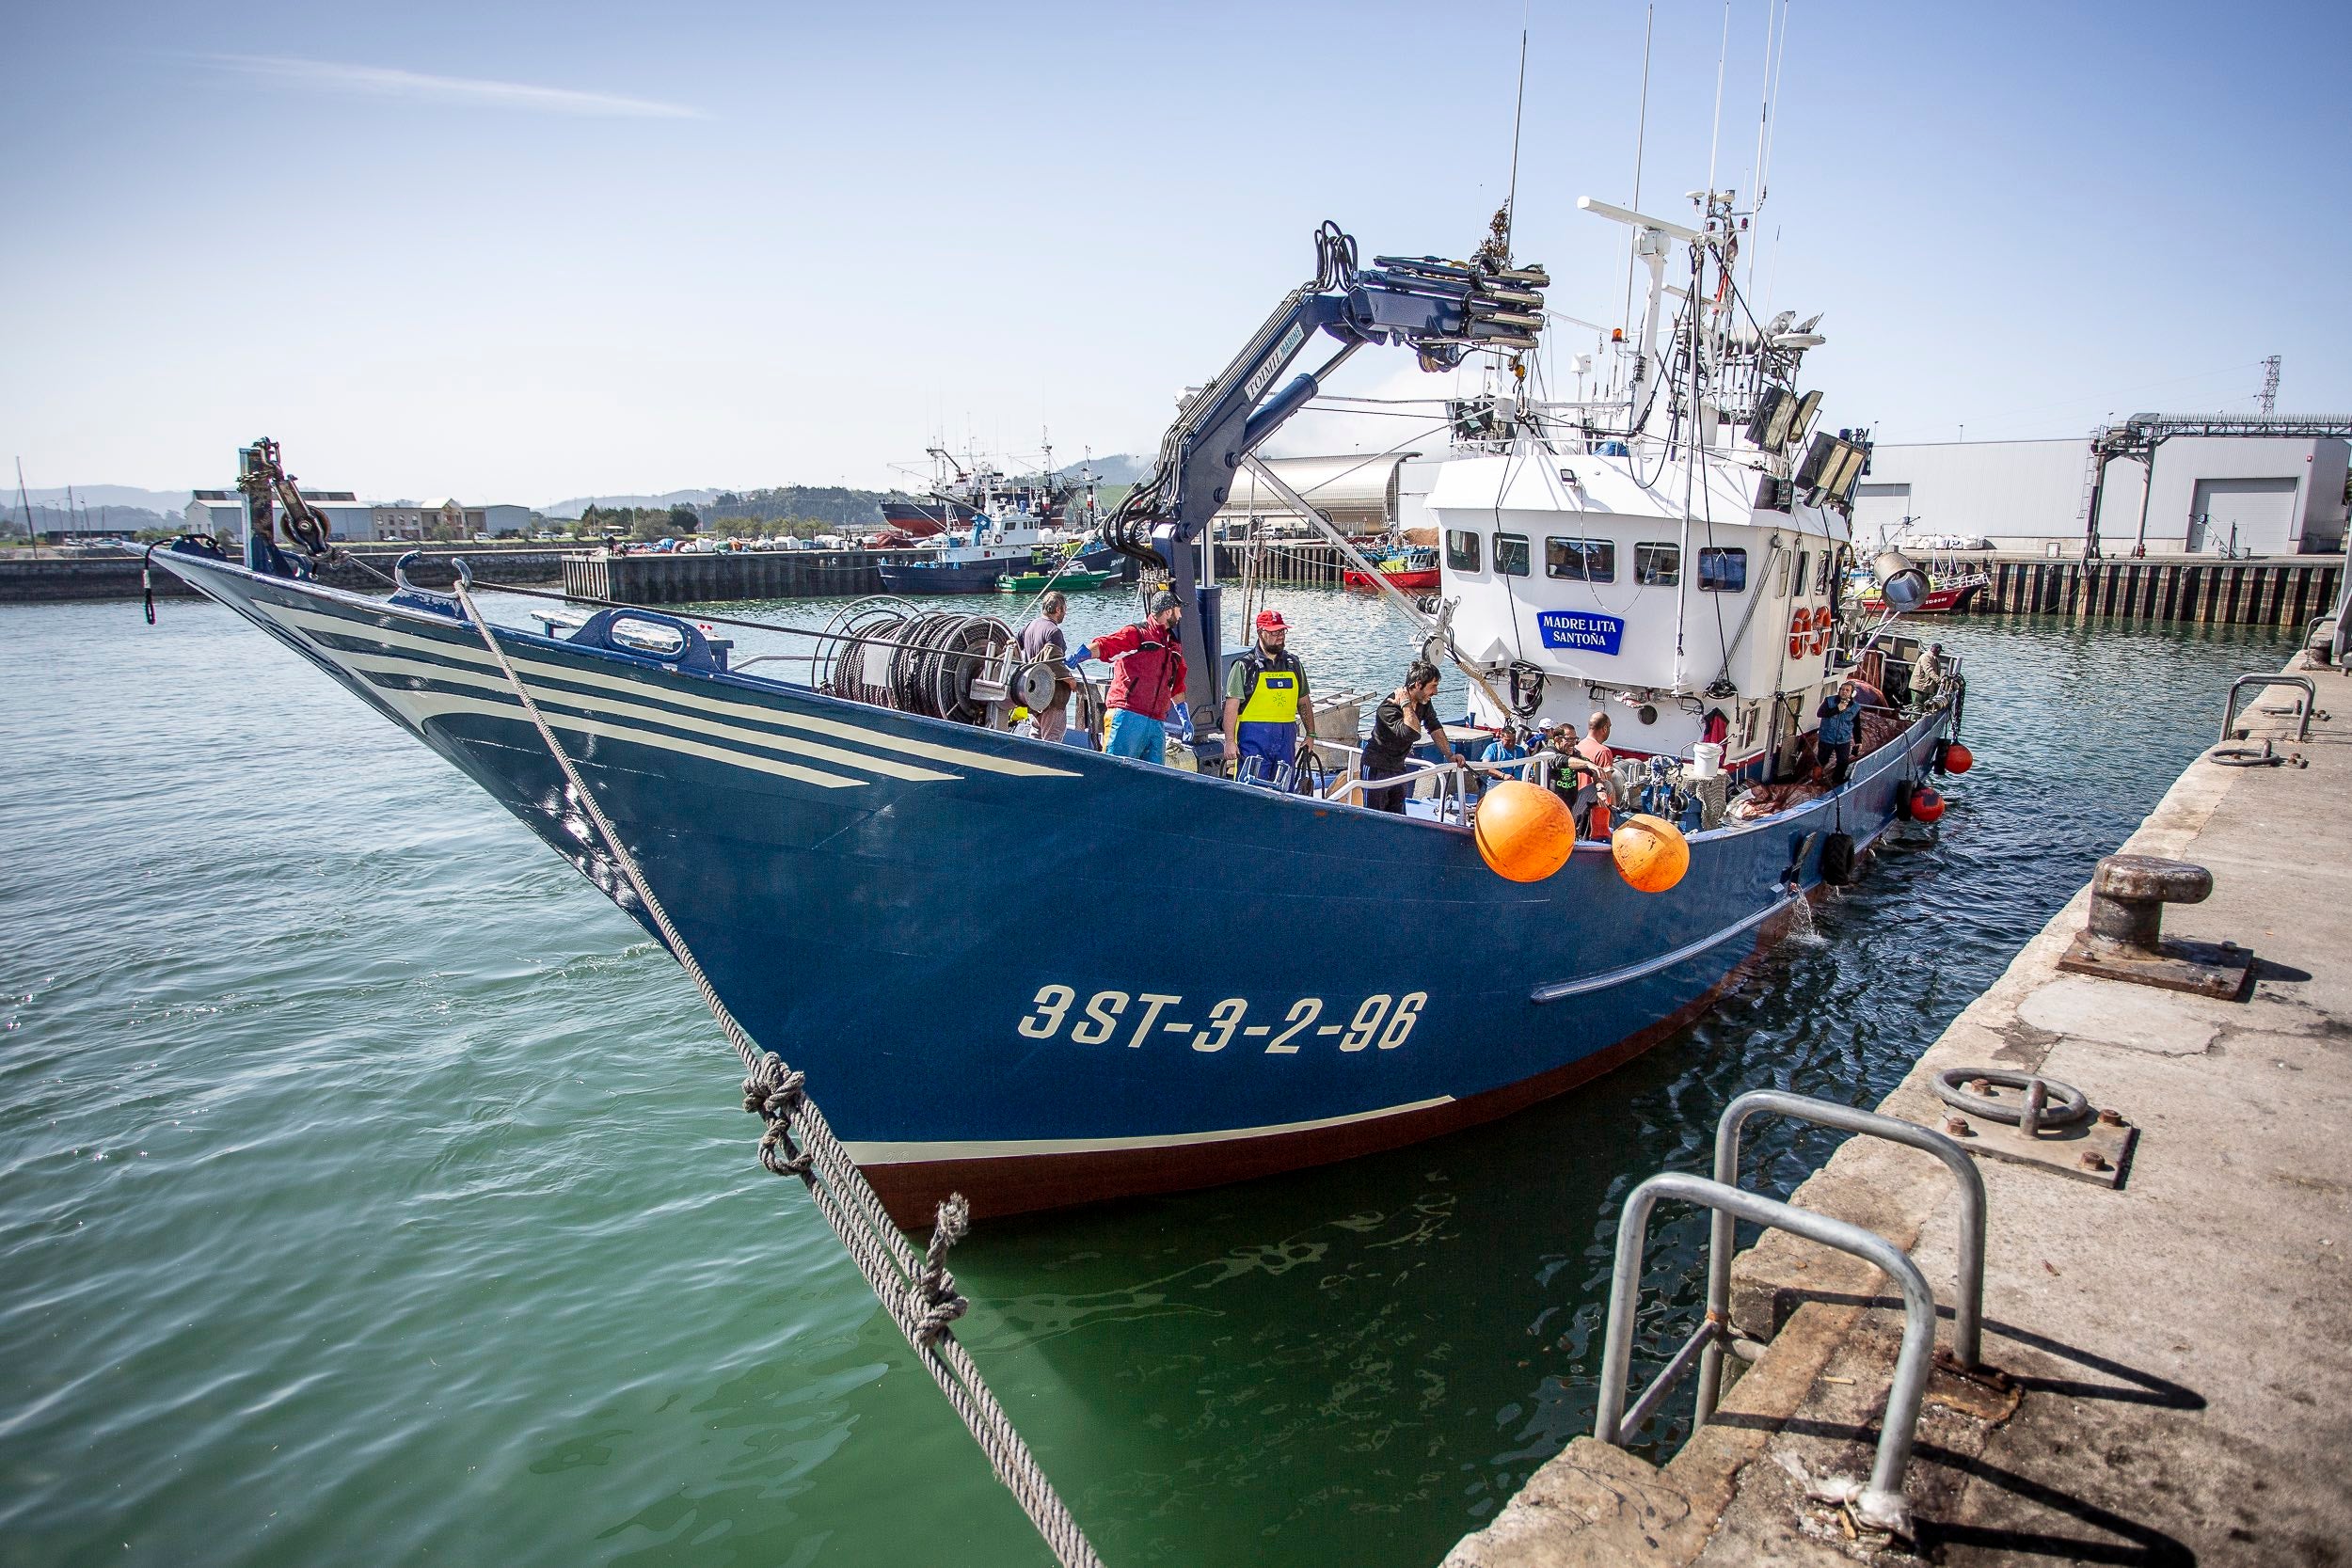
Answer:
(373, 1192)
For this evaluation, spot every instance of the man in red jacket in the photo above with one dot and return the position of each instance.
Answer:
(1148, 663)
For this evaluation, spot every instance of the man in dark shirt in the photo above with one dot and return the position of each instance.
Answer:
(1043, 641)
(1838, 716)
(1402, 722)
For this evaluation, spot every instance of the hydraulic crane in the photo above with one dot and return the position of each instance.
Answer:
(1442, 310)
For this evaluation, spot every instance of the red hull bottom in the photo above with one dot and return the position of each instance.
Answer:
(1940, 601)
(1018, 1185)
(1411, 582)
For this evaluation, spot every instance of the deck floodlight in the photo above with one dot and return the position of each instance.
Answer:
(1759, 431)
(1802, 421)
(1817, 459)
(1840, 478)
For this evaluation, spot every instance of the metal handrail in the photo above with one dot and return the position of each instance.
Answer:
(2311, 700)
(1877, 1502)
(1968, 1304)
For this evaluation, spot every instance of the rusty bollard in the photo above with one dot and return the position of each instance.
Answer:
(2125, 940)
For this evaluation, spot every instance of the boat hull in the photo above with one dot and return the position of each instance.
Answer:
(1948, 600)
(956, 577)
(1253, 983)
(1411, 582)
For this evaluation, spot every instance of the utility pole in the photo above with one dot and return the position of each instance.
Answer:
(2270, 386)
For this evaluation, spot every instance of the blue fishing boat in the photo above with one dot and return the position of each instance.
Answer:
(1257, 981)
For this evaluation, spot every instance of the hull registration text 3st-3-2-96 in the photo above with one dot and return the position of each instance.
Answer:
(1379, 1020)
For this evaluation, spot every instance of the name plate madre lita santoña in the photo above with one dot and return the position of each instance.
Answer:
(1586, 629)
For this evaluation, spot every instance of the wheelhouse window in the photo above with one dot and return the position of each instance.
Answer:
(1658, 565)
(1511, 554)
(1804, 564)
(1828, 566)
(1722, 571)
(1461, 550)
(1580, 559)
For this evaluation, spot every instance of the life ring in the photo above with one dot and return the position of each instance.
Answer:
(1798, 630)
(1821, 619)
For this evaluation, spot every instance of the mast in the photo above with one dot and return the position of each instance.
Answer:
(31, 535)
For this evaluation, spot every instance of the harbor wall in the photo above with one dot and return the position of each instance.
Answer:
(691, 578)
(2285, 591)
(53, 579)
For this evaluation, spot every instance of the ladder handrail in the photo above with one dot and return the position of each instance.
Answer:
(1879, 1502)
(2311, 700)
(1968, 1304)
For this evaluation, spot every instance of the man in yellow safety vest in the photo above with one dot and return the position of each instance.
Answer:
(1266, 701)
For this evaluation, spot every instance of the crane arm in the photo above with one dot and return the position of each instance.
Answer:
(1442, 310)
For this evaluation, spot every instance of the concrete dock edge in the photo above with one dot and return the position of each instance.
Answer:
(2174, 1369)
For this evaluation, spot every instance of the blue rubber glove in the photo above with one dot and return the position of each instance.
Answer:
(1086, 651)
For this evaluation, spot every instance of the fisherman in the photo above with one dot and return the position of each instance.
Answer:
(1594, 747)
(1926, 676)
(1509, 745)
(1574, 778)
(1402, 722)
(1266, 701)
(1149, 660)
(1043, 641)
(1837, 714)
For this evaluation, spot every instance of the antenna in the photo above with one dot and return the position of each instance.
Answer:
(1715, 137)
(1511, 200)
(2270, 386)
(1641, 141)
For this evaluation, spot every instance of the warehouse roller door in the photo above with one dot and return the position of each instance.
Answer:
(2251, 517)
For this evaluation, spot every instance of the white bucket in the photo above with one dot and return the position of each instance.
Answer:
(1707, 760)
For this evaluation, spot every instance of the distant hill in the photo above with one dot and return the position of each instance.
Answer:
(579, 504)
(96, 496)
(830, 504)
(1119, 468)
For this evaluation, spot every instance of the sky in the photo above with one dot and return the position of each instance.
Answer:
(516, 253)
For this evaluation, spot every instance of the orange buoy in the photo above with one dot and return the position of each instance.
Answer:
(1926, 804)
(1650, 852)
(1524, 834)
(1958, 758)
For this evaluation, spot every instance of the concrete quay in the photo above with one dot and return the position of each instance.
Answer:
(2175, 1367)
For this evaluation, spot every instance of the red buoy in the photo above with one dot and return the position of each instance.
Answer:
(1957, 758)
(1926, 804)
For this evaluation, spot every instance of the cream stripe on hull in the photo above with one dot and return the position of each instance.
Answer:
(1020, 1148)
(306, 621)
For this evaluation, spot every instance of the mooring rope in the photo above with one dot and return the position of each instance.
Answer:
(917, 1290)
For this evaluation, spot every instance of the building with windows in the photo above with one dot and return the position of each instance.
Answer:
(222, 514)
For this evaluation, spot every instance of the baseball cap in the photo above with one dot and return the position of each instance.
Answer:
(1271, 620)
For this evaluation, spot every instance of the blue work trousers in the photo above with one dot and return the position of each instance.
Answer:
(1134, 735)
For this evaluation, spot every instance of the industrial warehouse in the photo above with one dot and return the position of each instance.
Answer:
(2224, 485)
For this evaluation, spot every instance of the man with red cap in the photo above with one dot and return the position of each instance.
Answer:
(1266, 701)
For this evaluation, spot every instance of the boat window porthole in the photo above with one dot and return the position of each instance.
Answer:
(1780, 590)
(1580, 559)
(1461, 550)
(1658, 565)
(1511, 555)
(1805, 561)
(1722, 571)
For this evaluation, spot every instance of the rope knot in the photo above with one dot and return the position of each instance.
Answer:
(931, 1293)
(778, 1152)
(773, 1090)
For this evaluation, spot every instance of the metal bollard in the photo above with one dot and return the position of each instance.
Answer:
(2125, 940)
(2128, 893)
